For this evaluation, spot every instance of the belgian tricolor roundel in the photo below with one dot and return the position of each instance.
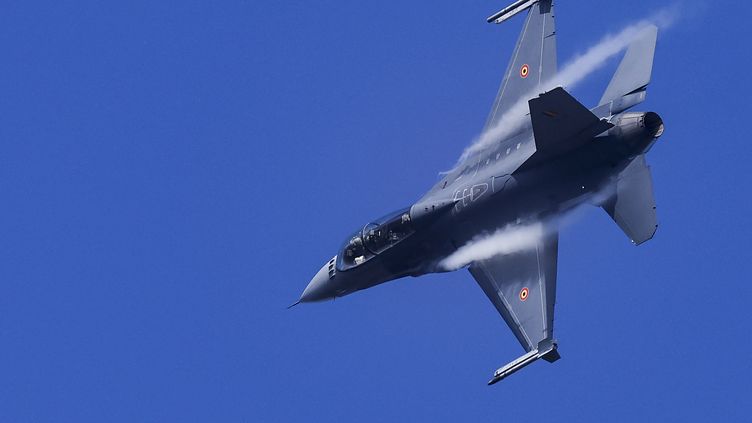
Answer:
(523, 294)
(524, 71)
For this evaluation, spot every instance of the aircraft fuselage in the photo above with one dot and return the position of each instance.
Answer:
(489, 193)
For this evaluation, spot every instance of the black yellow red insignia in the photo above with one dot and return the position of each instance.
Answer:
(523, 294)
(524, 71)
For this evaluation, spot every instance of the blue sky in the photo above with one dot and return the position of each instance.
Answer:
(174, 173)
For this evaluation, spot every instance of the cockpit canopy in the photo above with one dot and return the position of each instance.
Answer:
(375, 238)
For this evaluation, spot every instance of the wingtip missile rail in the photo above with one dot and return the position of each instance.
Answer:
(546, 350)
(510, 11)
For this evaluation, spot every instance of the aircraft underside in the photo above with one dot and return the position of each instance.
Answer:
(541, 154)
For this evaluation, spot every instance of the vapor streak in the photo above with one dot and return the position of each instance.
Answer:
(504, 241)
(515, 117)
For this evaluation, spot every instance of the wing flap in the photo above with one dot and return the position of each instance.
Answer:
(628, 85)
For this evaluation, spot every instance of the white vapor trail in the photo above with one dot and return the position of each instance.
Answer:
(516, 238)
(569, 76)
(520, 237)
(504, 241)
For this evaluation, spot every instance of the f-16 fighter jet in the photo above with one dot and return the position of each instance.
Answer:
(557, 156)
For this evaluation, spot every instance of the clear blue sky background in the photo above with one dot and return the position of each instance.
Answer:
(172, 174)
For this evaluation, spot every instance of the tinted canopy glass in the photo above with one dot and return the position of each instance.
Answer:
(375, 238)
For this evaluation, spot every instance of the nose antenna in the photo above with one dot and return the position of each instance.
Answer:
(293, 305)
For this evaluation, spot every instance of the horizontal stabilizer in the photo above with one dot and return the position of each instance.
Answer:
(633, 206)
(627, 87)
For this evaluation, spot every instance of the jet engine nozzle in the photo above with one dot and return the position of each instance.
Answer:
(638, 124)
(653, 124)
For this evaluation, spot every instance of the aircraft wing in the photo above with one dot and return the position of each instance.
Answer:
(522, 287)
(533, 61)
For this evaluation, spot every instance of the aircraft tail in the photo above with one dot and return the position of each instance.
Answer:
(628, 85)
(560, 124)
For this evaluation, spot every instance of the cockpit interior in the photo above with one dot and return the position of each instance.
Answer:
(375, 238)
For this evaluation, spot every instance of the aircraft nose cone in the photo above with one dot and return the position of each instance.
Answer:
(320, 287)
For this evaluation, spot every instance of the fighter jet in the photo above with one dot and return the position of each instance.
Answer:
(561, 155)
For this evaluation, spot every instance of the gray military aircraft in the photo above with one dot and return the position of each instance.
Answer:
(562, 155)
